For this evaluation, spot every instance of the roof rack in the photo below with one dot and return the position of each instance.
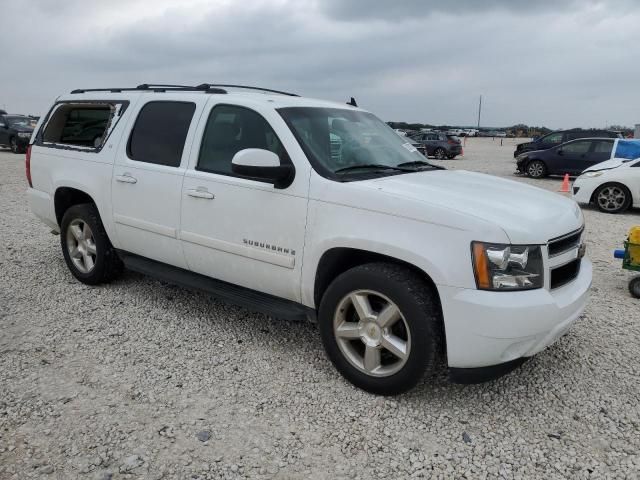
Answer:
(203, 87)
(247, 87)
(153, 87)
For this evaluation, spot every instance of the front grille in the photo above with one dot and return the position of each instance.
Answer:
(562, 275)
(564, 243)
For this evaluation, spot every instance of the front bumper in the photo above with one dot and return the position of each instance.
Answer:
(485, 329)
(583, 188)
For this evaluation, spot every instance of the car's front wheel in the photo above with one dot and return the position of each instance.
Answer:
(380, 326)
(86, 246)
(13, 144)
(440, 154)
(612, 198)
(536, 169)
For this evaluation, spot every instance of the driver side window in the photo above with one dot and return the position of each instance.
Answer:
(231, 128)
(553, 138)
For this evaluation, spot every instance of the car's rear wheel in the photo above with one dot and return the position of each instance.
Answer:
(86, 246)
(612, 198)
(440, 154)
(634, 287)
(536, 169)
(380, 326)
(451, 156)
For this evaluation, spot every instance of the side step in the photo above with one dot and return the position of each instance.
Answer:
(228, 292)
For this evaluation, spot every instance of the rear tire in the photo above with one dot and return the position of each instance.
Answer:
(451, 156)
(612, 198)
(634, 287)
(381, 327)
(86, 247)
(536, 169)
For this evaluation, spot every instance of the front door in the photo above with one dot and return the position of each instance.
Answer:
(237, 229)
(147, 181)
(573, 156)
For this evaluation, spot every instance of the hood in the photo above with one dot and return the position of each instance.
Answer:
(608, 164)
(526, 214)
(520, 146)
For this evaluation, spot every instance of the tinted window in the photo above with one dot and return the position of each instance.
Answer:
(577, 147)
(552, 138)
(159, 133)
(81, 124)
(231, 129)
(603, 146)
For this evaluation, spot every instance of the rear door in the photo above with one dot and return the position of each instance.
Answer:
(573, 156)
(600, 151)
(147, 179)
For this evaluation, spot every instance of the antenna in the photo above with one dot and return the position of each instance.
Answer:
(352, 102)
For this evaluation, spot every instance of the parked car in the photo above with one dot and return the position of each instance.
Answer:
(2, 112)
(614, 185)
(554, 139)
(15, 131)
(572, 157)
(439, 145)
(400, 262)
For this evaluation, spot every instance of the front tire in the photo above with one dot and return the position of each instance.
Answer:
(536, 169)
(440, 154)
(13, 144)
(86, 246)
(612, 198)
(380, 326)
(634, 287)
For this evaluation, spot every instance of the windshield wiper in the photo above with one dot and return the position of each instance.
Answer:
(421, 163)
(374, 166)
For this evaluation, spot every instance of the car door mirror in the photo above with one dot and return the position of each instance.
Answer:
(262, 164)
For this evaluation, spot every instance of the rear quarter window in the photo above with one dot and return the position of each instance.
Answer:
(82, 126)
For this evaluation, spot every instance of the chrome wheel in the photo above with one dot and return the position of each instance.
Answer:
(81, 246)
(611, 198)
(372, 333)
(440, 154)
(535, 169)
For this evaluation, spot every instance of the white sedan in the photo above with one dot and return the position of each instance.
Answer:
(613, 186)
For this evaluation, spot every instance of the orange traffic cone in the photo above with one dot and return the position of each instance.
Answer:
(565, 184)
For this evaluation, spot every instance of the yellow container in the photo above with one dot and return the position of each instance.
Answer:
(634, 245)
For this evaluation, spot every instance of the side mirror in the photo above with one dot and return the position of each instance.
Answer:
(263, 164)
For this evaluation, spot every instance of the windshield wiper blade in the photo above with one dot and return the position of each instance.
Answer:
(421, 163)
(371, 166)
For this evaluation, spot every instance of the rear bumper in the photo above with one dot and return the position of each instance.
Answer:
(486, 329)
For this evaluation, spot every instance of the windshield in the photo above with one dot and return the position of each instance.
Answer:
(338, 141)
(18, 121)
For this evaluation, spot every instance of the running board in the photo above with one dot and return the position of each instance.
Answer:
(228, 292)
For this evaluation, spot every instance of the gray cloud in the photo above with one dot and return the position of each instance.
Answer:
(561, 66)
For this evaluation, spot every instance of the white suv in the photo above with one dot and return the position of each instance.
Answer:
(302, 208)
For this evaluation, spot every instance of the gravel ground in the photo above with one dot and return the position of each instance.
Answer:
(139, 379)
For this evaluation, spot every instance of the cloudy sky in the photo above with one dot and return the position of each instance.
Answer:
(558, 63)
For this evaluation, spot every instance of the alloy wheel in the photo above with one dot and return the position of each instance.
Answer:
(535, 169)
(14, 145)
(372, 333)
(81, 246)
(611, 198)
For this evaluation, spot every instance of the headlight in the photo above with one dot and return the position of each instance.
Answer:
(591, 174)
(24, 134)
(522, 156)
(507, 267)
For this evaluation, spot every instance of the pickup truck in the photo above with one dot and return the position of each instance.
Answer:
(308, 209)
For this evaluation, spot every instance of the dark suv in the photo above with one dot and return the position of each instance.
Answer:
(15, 131)
(554, 139)
(439, 145)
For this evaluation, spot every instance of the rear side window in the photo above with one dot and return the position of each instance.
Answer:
(81, 125)
(231, 129)
(603, 146)
(159, 133)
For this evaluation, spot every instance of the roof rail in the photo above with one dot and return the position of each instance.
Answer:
(203, 87)
(247, 87)
(155, 88)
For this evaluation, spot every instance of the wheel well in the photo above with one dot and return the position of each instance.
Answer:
(66, 197)
(338, 260)
(593, 195)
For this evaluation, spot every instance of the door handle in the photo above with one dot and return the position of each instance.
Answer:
(200, 193)
(126, 178)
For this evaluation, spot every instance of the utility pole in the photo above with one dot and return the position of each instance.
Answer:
(479, 111)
